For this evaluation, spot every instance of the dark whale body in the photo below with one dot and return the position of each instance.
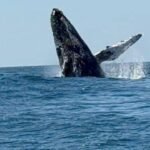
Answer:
(75, 58)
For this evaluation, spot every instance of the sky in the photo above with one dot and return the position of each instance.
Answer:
(26, 37)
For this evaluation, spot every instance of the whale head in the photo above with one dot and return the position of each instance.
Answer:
(60, 25)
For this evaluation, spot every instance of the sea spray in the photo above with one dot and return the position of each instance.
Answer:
(52, 71)
(131, 70)
(134, 69)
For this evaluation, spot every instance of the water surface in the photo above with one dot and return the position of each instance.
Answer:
(39, 110)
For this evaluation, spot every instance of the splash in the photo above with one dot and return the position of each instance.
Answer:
(53, 71)
(131, 71)
(125, 70)
(59, 74)
(122, 69)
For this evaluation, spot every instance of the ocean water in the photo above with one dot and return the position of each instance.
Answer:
(39, 110)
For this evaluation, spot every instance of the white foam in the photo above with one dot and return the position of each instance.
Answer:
(59, 74)
(131, 71)
(53, 71)
(125, 70)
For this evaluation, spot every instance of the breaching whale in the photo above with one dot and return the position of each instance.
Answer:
(75, 57)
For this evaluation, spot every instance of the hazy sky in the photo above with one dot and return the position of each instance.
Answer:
(26, 36)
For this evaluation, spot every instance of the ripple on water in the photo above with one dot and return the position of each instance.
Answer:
(42, 112)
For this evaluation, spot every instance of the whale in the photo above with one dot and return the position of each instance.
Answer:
(75, 57)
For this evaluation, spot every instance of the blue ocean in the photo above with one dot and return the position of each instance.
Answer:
(39, 110)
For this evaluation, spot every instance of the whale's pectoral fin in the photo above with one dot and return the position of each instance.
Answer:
(114, 51)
